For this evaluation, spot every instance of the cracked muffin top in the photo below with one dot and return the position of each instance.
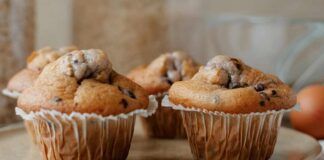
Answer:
(35, 64)
(83, 81)
(226, 84)
(161, 73)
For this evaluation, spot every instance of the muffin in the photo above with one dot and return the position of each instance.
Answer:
(81, 108)
(156, 78)
(26, 77)
(230, 110)
(35, 64)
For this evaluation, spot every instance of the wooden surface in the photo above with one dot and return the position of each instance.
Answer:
(16, 41)
(291, 145)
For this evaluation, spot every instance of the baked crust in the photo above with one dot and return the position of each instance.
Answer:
(227, 85)
(40, 58)
(83, 81)
(22, 80)
(161, 73)
(35, 64)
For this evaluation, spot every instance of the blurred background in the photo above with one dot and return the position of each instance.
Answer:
(282, 37)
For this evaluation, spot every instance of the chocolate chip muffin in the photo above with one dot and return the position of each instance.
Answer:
(27, 76)
(35, 63)
(230, 110)
(82, 109)
(156, 78)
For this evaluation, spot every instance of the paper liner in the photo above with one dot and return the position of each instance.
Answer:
(86, 138)
(218, 135)
(165, 123)
(10, 93)
(83, 136)
(30, 130)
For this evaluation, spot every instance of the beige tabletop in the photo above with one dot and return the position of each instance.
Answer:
(16, 145)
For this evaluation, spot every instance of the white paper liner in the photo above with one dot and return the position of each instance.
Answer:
(83, 136)
(86, 138)
(30, 130)
(218, 135)
(166, 123)
(153, 104)
(10, 93)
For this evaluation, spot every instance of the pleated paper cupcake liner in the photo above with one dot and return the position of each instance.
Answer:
(10, 93)
(84, 136)
(30, 130)
(218, 135)
(165, 123)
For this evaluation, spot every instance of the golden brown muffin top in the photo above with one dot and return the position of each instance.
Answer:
(35, 64)
(228, 85)
(22, 80)
(40, 58)
(161, 73)
(83, 81)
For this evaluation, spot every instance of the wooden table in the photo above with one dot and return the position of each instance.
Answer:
(15, 145)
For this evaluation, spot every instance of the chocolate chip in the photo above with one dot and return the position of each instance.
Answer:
(169, 81)
(238, 66)
(120, 88)
(127, 92)
(273, 92)
(259, 87)
(131, 94)
(236, 63)
(262, 103)
(229, 82)
(75, 61)
(110, 79)
(124, 103)
(57, 99)
(89, 75)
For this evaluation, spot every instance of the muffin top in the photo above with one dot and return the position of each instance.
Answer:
(161, 73)
(83, 81)
(228, 85)
(35, 64)
(40, 58)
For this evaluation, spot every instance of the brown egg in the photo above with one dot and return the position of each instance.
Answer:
(311, 117)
